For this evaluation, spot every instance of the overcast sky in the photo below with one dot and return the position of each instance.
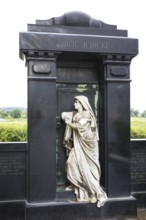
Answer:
(16, 14)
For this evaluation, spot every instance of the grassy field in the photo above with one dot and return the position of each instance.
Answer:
(13, 130)
(138, 127)
(16, 129)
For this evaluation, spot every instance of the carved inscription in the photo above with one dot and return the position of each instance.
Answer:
(73, 44)
(138, 167)
(83, 44)
(11, 165)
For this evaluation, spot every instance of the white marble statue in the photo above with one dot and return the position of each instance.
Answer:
(81, 141)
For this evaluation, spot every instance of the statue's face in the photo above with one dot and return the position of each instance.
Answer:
(77, 105)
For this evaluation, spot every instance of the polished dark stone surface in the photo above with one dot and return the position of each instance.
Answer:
(12, 210)
(64, 54)
(15, 210)
(76, 23)
(81, 43)
(138, 171)
(13, 171)
(65, 210)
(138, 165)
(41, 140)
(76, 19)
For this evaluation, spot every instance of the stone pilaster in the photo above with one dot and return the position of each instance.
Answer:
(115, 84)
(41, 180)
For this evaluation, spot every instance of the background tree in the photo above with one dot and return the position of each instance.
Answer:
(134, 112)
(3, 114)
(143, 114)
(16, 113)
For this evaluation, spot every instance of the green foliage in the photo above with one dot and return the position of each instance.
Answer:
(3, 114)
(10, 112)
(16, 130)
(16, 113)
(143, 114)
(134, 112)
(138, 127)
(12, 131)
(24, 115)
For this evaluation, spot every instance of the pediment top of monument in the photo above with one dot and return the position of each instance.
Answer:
(78, 23)
(76, 19)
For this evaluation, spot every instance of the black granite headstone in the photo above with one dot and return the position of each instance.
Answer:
(138, 171)
(12, 171)
(63, 55)
(12, 180)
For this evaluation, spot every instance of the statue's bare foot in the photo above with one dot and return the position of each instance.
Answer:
(68, 188)
(93, 199)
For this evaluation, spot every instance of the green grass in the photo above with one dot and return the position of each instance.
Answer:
(138, 127)
(13, 130)
(16, 129)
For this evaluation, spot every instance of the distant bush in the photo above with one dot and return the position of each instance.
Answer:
(13, 132)
(138, 133)
(16, 113)
(16, 130)
(13, 112)
(138, 127)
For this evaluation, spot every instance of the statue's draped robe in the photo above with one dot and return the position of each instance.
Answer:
(82, 166)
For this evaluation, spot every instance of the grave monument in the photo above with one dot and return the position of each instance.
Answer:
(70, 56)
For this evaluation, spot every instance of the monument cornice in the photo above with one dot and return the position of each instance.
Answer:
(34, 41)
